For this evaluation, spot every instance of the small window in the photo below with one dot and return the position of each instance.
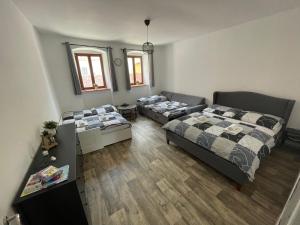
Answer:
(135, 67)
(90, 71)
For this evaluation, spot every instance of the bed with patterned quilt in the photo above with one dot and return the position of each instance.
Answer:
(169, 105)
(234, 141)
(98, 127)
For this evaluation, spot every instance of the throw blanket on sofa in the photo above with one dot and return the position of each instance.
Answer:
(213, 132)
(151, 99)
(169, 108)
(165, 106)
(102, 121)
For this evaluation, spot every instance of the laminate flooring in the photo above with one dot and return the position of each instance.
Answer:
(144, 181)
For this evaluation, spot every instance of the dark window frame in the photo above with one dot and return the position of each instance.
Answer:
(95, 87)
(134, 74)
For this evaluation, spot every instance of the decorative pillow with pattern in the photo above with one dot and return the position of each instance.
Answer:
(222, 110)
(265, 120)
(104, 109)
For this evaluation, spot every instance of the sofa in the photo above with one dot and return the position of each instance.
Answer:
(169, 105)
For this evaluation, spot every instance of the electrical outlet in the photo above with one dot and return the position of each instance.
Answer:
(13, 220)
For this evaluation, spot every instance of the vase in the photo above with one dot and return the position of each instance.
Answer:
(50, 131)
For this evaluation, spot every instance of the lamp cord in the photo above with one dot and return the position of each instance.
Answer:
(147, 33)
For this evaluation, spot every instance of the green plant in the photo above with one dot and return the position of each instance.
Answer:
(50, 124)
(45, 133)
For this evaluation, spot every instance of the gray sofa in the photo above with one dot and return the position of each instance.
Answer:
(195, 103)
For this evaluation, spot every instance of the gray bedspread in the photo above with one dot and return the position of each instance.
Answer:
(169, 108)
(245, 149)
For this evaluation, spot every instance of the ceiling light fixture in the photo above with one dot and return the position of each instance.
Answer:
(148, 46)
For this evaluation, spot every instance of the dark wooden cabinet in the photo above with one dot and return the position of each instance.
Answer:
(64, 203)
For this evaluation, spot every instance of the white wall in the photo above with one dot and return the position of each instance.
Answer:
(25, 97)
(291, 211)
(262, 56)
(58, 67)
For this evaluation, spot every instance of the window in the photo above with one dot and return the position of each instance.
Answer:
(135, 67)
(90, 71)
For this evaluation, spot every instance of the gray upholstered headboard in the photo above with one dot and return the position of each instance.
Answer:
(252, 101)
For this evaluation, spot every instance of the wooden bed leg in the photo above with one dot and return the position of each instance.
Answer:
(238, 187)
(168, 141)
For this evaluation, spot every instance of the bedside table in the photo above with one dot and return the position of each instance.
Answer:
(292, 138)
(128, 112)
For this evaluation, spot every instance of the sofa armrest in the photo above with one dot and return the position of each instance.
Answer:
(196, 108)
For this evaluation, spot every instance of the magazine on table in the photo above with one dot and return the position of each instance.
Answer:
(35, 183)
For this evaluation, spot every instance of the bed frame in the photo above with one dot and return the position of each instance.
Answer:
(96, 139)
(243, 100)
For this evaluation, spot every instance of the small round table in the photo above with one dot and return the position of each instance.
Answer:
(128, 112)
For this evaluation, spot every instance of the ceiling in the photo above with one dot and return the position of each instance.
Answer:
(122, 20)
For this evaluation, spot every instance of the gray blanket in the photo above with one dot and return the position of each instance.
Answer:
(151, 99)
(245, 148)
(102, 121)
(169, 108)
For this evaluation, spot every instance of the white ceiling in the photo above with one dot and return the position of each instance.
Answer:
(122, 20)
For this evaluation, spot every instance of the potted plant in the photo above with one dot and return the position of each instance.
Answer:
(50, 127)
(48, 140)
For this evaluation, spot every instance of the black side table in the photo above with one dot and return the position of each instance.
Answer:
(292, 138)
(128, 112)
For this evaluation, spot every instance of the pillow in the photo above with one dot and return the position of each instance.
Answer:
(103, 109)
(151, 99)
(67, 121)
(78, 115)
(87, 112)
(265, 120)
(68, 116)
(222, 110)
(110, 108)
(271, 122)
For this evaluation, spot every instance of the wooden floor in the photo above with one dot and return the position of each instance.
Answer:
(145, 181)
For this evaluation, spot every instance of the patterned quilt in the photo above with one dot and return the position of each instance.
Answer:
(102, 122)
(212, 131)
(266, 120)
(77, 115)
(169, 108)
(151, 99)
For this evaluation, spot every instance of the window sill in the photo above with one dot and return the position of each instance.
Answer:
(139, 85)
(95, 90)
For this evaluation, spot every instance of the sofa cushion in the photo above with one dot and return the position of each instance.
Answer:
(151, 99)
(189, 99)
(167, 94)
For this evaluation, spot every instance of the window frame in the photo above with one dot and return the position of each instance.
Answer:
(133, 65)
(89, 55)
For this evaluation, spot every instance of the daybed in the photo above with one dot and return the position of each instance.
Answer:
(98, 127)
(262, 123)
(169, 105)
